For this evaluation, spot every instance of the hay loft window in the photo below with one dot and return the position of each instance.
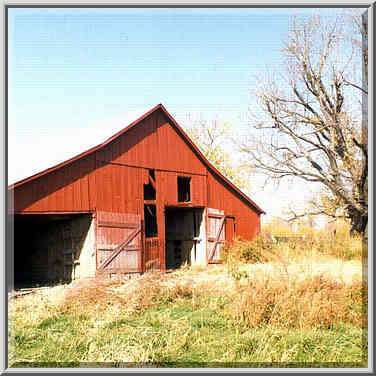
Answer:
(150, 213)
(149, 189)
(184, 189)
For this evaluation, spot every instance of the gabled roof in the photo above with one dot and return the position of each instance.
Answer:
(126, 129)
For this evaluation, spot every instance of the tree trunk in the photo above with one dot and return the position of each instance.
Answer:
(358, 222)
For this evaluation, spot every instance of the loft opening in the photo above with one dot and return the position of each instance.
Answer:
(151, 228)
(184, 189)
(149, 189)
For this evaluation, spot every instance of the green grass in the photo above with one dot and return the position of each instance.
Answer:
(182, 333)
(57, 339)
(246, 316)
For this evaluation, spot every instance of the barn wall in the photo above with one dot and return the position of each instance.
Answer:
(109, 180)
(247, 221)
(154, 144)
(169, 184)
(118, 189)
(81, 241)
(65, 189)
(201, 257)
(84, 240)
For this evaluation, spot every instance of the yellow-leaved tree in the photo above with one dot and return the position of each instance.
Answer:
(214, 139)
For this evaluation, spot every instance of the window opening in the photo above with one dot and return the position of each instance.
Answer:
(149, 189)
(184, 189)
(151, 229)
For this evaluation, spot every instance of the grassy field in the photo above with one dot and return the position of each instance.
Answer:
(290, 309)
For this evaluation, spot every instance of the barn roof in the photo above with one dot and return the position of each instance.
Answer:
(126, 129)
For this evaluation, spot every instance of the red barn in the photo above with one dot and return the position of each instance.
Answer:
(144, 199)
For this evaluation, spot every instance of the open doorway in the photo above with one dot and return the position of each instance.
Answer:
(185, 237)
(50, 248)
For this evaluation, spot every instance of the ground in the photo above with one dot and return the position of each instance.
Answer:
(193, 317)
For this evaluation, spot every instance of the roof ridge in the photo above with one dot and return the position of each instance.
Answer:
(126, 129)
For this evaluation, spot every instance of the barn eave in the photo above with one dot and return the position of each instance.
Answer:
(180, 131)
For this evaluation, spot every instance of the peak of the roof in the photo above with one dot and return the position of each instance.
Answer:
(126, 129)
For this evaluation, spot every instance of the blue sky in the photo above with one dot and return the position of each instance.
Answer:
(99, 64)
(76, 76)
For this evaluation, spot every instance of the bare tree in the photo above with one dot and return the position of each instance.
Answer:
(312, 123)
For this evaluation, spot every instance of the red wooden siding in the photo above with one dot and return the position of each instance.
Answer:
(230, 229)
(118, 188)
(169, 186)
(110, 178)
(153, 144)
(151, 254)
(65, 189)
(220, 196)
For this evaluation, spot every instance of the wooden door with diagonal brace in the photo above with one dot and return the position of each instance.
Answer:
(216, 234)
(119, 243)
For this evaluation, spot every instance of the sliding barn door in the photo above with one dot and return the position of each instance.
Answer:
(119, 243)
(216, 234)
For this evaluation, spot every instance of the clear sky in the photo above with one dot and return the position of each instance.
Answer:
(76, 76)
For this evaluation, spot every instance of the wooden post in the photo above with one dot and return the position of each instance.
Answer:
(161, 235)
(95, 225)
(143, 248)
(160, 208)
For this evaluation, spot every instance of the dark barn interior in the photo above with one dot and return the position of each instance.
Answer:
(184, 236)
(48, 247)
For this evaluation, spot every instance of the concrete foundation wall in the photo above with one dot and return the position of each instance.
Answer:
(84, 264)
(71, 251)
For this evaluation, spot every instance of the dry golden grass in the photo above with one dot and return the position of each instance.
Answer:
(105, 299)
(297, 284)
(255, 312)
(38, 306)
(289, 285)
(278, 293)
(284, 301)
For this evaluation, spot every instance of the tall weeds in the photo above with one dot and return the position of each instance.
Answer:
(285, 290)
(288, 302)
(308, 245)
